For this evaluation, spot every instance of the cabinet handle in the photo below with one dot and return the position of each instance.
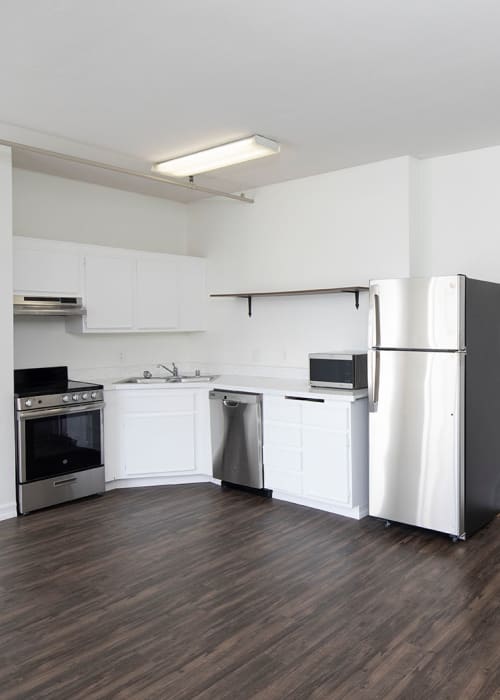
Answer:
(303, 398)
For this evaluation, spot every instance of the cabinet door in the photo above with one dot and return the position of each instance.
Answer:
(46, 272)
(192, 293)
(326, 464)
(282, 456)
(157, 432)
(109, 292)
(158, 443)
(156, 305)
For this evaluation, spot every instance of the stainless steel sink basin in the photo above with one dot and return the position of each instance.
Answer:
(143, 380)
(166, 380)
(191, 378)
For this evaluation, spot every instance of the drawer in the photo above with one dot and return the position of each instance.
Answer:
(330, 415)
(284, 434)
(283, 481)
(278, 457)
(277, 408)
(151, 401)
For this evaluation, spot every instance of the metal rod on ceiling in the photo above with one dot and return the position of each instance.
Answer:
(126, 171)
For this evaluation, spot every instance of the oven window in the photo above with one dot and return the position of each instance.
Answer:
(60, 444)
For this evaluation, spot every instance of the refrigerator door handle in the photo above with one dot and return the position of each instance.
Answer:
(373, 380)
(374, 319)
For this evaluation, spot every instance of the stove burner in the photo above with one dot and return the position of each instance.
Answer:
(49, 387)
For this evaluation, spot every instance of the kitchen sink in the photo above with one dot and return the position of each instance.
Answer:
(192, 378)
(167, 380)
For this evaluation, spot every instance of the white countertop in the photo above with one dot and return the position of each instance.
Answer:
(258, 385)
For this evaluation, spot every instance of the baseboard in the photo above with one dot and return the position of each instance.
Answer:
(158, 481)
(8, 510)
(356, 512)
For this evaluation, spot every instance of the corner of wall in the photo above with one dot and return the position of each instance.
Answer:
(7, 450)
(419, 193)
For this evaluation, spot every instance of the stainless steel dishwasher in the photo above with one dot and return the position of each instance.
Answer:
(236, 427)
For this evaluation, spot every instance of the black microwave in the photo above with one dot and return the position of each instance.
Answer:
(338, 370)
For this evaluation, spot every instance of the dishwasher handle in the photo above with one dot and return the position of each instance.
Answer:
(234, 398)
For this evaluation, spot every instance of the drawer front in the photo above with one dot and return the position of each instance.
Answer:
(283, 481)
(330, 415)
(164, 401)
(281, 458)
(282, 434)
(277, 408)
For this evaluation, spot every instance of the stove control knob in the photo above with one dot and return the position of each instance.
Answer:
(85, 397)
(75, 397)
(93, 395)
(65, 398)
(28, 402)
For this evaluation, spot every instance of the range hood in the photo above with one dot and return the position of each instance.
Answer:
(47, 306)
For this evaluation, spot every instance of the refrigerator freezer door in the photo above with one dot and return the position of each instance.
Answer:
(416, 439)
(420, 313)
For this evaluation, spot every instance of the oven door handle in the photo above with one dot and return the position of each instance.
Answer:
(64, 410)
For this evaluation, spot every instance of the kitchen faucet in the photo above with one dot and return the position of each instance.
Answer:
(174, 371)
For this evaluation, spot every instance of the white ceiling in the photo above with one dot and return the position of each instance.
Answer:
(337, 82)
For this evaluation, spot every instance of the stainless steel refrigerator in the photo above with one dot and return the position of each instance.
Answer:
(434, 402)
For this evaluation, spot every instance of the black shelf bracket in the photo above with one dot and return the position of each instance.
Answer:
(295, 292)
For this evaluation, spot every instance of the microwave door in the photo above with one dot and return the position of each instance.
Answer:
(331, 370)
(418, 313)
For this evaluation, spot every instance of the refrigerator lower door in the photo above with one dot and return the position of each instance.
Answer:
(416, 438)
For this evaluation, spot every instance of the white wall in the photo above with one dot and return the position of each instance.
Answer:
(45, 206)
(7, 454)
(462, 231)
(323, 231)
(393, 218)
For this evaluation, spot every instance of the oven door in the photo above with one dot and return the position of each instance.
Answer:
(56, 441)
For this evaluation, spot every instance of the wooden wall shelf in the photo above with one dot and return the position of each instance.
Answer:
(296, 292)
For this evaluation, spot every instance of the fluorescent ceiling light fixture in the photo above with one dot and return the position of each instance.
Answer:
(218, 157)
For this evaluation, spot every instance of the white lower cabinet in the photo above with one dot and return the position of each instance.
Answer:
(325, 465)
(316, 452)
(156, 433)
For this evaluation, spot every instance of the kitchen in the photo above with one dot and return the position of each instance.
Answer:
(394, 217)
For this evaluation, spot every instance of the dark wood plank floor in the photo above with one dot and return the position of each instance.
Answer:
(191, 592)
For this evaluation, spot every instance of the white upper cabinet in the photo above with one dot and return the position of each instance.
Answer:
(143, 292)
(192, 288)
(109, 292)
(124, 291)
(156, 303)
(43, 269)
